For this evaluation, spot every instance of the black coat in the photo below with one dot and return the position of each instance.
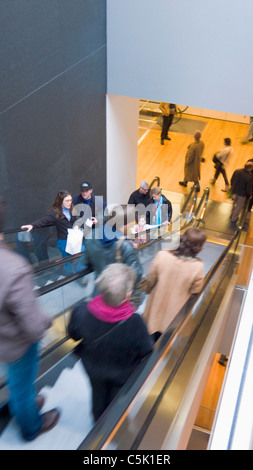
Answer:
(137, 198)
(61, 223)
(241, 183)
(114, 357)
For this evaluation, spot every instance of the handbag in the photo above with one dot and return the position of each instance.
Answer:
(74, 241)
(216, 160)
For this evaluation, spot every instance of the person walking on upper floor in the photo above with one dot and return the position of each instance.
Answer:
(22, 326)
(114, 338)
(241, 188)
(172, 278)
(249, 136)
(221, 160)
(168, 113)
(251, 199)
(193, 158)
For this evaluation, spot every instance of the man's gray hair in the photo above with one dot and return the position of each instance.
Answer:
(115, 282)
(144, 184)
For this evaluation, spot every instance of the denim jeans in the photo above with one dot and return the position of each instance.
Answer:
(21, 382)
(69, 268)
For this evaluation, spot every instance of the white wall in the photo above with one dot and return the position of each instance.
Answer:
(122, 137)
(195, 52)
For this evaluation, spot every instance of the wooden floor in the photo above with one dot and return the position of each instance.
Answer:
(167, 161)
(211, 395)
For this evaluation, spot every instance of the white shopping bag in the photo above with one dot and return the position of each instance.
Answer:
(25, 236)
(74, 241)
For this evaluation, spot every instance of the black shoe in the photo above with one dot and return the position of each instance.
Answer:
(167, 138)
(183, 183)
(250, 140)
(223, 360)
(162, 142)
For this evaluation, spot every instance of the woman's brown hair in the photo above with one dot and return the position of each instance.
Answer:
(191, 243)
(57, 205)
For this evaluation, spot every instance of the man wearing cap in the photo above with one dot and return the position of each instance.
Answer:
(89, 208)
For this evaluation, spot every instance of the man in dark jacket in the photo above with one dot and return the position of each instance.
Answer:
(241, 188)
(114, 337)
(88, 208)
(22, 326)
(141, 195)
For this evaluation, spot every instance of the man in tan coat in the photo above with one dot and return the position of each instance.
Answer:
(193, 158)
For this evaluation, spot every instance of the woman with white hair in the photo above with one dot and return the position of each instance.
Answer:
(114, 337)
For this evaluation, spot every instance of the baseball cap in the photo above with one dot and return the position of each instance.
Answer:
(85, 186)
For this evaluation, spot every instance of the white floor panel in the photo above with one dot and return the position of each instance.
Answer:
(72, 395)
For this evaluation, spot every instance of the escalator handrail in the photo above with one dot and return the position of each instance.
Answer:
(156, 179)
(234, 239)
(195, 220)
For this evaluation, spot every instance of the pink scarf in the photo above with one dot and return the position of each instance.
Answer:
(107, 313)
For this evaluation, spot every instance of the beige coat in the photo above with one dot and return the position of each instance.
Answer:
(170, 282)
(192, 161)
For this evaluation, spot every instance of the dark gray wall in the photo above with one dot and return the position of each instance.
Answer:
(52, 102)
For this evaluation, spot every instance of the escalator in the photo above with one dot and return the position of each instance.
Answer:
(130, 421)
